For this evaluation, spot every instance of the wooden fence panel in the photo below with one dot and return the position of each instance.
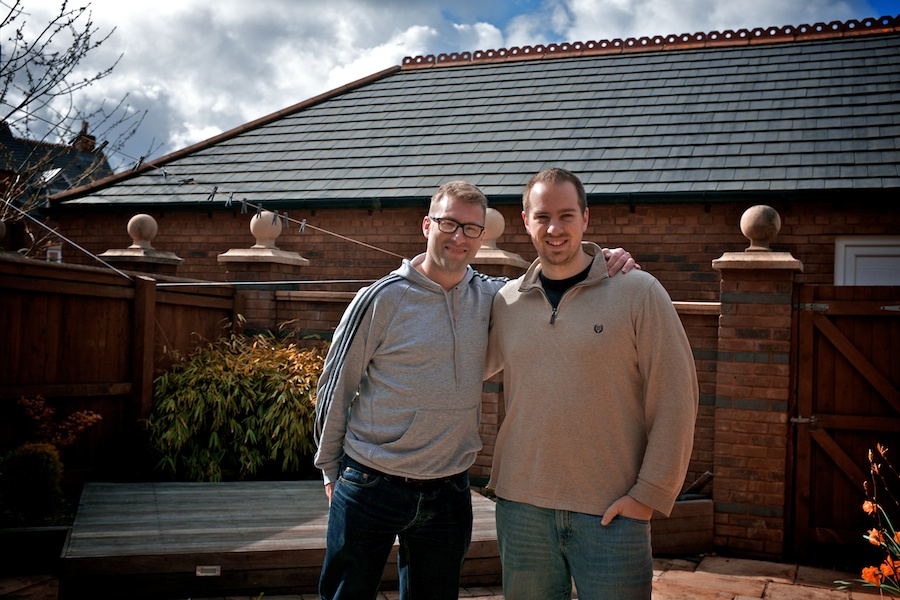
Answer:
(89, 339)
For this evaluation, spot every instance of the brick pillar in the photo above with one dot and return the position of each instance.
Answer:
(263, 263)
(141, 256)
(496, 262)
(752, 395)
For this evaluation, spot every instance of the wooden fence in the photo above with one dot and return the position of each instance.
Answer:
(90, 339)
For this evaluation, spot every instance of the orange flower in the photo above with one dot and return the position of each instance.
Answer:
(897, 537)
(869, 507)
(889, 567)
(875, 538)
(872, 575)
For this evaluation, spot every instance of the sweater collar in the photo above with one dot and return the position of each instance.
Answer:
(408, 271)
(597, 273)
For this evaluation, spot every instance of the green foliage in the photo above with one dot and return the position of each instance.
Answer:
(30, 492)
(235, 406)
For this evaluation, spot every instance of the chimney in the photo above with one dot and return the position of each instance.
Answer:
(84, 142)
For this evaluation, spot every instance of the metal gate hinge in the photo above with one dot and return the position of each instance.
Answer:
(811, 422)
(813, 307)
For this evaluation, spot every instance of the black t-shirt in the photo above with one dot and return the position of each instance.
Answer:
(555, 288)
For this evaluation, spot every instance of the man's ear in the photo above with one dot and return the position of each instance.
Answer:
(525, 220)
(426, 225)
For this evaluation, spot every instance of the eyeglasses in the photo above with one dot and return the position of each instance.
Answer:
(470, 230)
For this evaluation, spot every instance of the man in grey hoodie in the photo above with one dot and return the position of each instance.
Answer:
(398, 407)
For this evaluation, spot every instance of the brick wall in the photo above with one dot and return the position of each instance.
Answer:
(701, 325)
(741, 347)
(675, 242)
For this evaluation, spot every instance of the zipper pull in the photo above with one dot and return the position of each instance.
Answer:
(553, 315)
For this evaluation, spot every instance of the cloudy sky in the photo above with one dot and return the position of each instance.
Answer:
(201, 67)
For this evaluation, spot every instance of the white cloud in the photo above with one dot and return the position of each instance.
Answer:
(189, 134)
(478, 36)
(609, 19)
(201, 68)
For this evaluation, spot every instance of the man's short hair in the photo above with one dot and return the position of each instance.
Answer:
(459, 190)
(553, 176)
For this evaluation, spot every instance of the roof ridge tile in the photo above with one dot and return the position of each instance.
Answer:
(741, 37)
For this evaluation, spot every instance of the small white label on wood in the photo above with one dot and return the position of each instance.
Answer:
(209, 571)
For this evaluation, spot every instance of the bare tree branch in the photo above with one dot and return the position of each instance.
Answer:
(40, 74)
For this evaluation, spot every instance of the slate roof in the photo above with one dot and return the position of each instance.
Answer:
(61, 167)
(800, 111)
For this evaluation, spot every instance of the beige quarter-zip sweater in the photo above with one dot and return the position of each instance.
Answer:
(601, 394)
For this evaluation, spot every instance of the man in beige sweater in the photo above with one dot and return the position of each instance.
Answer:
(601, 399)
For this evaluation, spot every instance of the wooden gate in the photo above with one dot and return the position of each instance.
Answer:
(847, 373)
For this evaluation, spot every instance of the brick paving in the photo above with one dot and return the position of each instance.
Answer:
(712, 578)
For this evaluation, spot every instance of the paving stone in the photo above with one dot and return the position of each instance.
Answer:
(764, 570)
(824, 578)
(674, 579)
(714, 582)
(671, 590)
(481, 592)
(668, 564)
(781, 591)
(37, 587)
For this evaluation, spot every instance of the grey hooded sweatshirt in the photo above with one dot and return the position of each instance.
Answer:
(401, 387)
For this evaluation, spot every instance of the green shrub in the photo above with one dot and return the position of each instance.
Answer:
(30, 491)
(234, 406)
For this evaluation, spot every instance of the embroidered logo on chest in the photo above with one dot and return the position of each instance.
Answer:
(598, 328)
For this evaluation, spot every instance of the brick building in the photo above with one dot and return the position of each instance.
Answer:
(32, 170)
(675, 138)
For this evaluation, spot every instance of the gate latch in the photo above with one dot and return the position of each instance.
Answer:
(811, 422)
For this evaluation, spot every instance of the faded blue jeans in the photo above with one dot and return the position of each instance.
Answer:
(543, 549)
(369, 510)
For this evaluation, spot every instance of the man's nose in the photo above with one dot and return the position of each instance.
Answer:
(459, 233)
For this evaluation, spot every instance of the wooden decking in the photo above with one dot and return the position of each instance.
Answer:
(198, 539)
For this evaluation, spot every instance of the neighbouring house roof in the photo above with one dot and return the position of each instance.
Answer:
(52, 167)
(803, 111)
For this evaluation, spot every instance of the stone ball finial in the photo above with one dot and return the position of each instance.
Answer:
(493, 228)
(265, 227)
(142, 229)
(760, 224)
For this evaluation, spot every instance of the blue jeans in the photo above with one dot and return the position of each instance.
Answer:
(369, 510)
(542, 550)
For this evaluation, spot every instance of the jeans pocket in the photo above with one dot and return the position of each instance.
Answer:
(358, 477)
(460, 483)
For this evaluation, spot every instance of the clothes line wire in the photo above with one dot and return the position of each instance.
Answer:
(212, 192)
(61, 236)
(161, 284)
